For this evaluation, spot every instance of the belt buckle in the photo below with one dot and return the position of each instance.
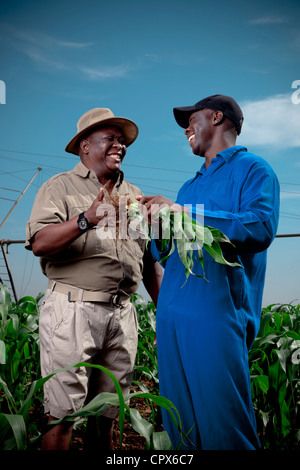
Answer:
(115, 299)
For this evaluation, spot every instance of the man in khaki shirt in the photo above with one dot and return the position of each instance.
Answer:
(86, 314)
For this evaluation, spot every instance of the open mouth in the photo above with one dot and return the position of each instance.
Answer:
(191, 138)
(116, 157)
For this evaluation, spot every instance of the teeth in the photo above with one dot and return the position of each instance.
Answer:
(191, 137)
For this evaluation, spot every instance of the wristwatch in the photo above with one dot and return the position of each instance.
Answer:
(83, 222)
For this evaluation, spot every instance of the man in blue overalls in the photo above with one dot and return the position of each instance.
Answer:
(205, 329)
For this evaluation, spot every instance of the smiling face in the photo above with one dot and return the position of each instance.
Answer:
(200, 131)
(103, 151)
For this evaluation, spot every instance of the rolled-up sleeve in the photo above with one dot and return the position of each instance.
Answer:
(48, 208)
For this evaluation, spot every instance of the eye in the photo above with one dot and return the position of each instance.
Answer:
(111, 138)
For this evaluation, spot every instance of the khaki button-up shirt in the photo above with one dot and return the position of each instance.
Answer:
(90, 262)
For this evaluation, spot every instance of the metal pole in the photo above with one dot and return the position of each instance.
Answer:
(39, 169)
(9, 273)
(288, 235)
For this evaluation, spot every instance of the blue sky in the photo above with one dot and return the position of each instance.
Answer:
(140, 59)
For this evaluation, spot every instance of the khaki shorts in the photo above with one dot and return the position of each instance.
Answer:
(72, 332)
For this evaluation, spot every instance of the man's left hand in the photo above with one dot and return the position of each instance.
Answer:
(154, 203)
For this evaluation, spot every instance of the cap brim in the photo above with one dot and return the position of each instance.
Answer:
(182, 115)
(129, 129)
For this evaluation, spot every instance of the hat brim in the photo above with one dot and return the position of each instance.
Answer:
(182, 115)
(129, 129)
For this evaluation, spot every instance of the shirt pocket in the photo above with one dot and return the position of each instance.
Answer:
(96, 244)
(236, 284)
(222, 196)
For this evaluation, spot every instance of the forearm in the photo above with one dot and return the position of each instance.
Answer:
(152, 279)
(55, 237)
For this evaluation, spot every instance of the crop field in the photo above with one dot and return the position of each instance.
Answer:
(273, 360)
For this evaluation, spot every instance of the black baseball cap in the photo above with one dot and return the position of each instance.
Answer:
(226, 104)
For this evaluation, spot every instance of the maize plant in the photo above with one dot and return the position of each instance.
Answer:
(179, 230)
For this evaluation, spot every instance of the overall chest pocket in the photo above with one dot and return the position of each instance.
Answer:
(222, 196)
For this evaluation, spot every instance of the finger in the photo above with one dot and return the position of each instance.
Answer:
(144, 199)
(100, 195)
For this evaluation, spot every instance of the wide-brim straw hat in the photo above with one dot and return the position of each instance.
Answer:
(100, 117)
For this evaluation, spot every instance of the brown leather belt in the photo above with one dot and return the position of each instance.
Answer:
(75, 294)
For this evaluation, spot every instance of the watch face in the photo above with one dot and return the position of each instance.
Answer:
(82, 224)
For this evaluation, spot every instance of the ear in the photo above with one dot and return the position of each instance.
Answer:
(84, 146)
(217, 118)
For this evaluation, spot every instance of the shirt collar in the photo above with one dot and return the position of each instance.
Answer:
(81, 170)
(230, 152)
(226, 154)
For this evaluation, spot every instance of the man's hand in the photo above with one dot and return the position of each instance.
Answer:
(91, 213)
(154, 203)
(56, 237)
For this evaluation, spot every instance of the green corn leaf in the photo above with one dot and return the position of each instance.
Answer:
(263, 382)
(162, 402)
(141, 426)
(188, 235)
(9, 397)
(215, 251)
(296, 357)
(161, 441)
(208, 237)
(218, 235)
(2, 352)
(4, 429)
(18, 427)
(6, 303)
(96, 407)
(285, 418)
(143, 348)
(283, 355)
(15, 365)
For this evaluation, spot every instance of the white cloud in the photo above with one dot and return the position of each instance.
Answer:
(273, 121)
(40, 40)
(38, 56)
(269, 20)
(46, 50)
(105, 72)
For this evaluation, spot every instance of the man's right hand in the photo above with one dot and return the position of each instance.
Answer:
(91, 213)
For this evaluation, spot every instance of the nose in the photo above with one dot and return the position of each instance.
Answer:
(116, 143)
(119, 142)
(186, 130)
(119, 145)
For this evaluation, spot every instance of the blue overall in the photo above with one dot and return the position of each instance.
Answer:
(205, 328)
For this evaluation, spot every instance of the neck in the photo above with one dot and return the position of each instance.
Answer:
(107, 179)
(217, 145)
